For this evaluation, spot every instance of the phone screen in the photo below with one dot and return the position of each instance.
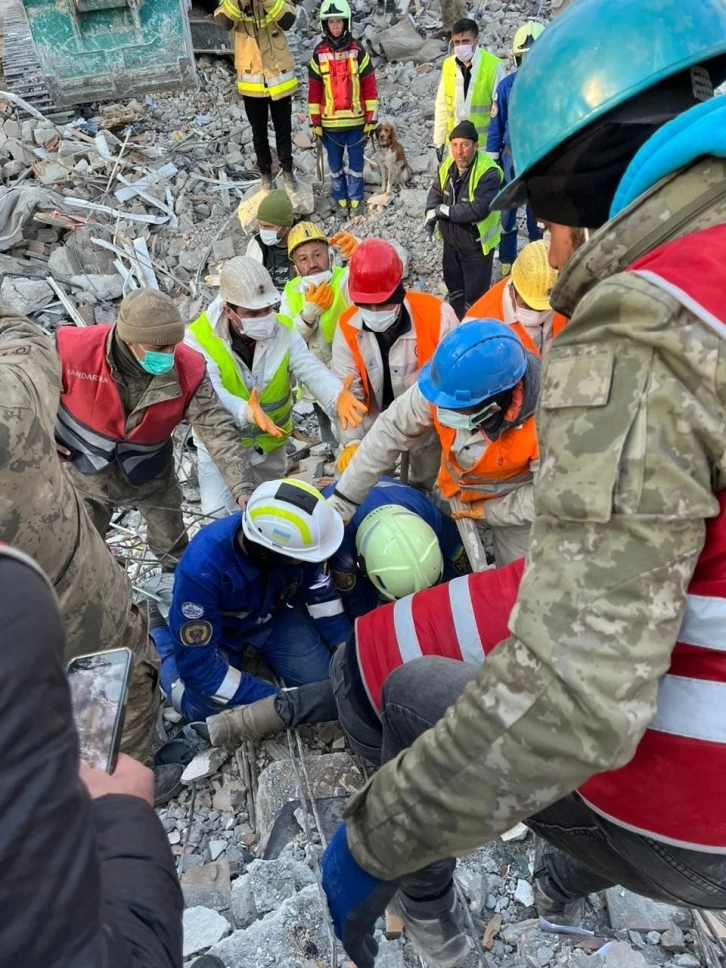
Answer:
(99, 685)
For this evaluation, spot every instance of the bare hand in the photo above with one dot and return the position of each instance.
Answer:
(129, 777)
(243, 499)
(63, 451)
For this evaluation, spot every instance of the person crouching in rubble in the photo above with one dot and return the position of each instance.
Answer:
(257, 579)
(126, 387)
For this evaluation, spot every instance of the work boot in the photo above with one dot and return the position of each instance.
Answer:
(506, 268)
(547, 898)
(354, 205)
(255, 721)
(156, 619)
(290, 181)
(266, 181)
(208, 961)
(433, 928)
(343, 205)
(167, 783)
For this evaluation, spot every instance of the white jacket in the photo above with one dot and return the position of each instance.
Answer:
(396, 430)
(462, 104)
(402, 360)
(268, 354)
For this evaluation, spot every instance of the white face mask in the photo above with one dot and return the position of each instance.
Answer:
(259, 327)
(532, 318)
(458, 420)
(316, 278)
(378, 321)
(269, 236)
(464, 52)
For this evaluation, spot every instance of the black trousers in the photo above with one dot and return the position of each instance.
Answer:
(257, 109)
(467, 275)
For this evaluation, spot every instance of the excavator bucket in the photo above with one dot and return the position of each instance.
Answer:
(101, 50)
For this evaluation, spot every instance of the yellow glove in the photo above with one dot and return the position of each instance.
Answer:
(349, 408)
(346, 456)
(260, 417)
(369, 128)
(345, 242)
(321, 295)
(473, 511)
(317, 131)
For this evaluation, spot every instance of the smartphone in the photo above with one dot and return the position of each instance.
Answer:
(99, 685)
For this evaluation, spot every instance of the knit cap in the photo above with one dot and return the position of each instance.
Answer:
(275, 209)
(464, 129)
(149, 316)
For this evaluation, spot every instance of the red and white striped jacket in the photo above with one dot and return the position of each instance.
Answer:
(674, 788)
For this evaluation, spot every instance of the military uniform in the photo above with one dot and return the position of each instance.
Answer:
(632, 422)
(43, 516)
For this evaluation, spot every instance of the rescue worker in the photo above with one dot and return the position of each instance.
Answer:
(125, 388)
(257, 579)
(342, 101)
(522, 301)
(251, 353)
(274, 218)
(458, 203)
(43, 515)
(404, 544)
(478, 394)
(616, 638)
(318, 295)
(382, 341)
(469, 78)
(265, 76)
(499, 147)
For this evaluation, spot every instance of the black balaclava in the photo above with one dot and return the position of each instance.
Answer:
(492, 424)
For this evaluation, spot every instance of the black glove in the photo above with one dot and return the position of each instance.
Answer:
(440, 152)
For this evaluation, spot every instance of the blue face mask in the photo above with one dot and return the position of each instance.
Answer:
(157, 364)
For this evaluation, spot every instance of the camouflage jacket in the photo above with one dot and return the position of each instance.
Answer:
(632, 427)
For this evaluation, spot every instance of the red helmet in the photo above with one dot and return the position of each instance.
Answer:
(375, 272)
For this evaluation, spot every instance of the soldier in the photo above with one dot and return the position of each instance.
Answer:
(43, 516)
(125, 389)
(601, 719)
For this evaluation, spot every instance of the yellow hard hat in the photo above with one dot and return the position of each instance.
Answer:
(532, 275)
(525, 37)
(304, 232)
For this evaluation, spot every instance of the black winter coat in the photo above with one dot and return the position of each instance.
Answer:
(459, 230)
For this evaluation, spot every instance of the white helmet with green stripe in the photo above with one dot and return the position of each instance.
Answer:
(294, 519)
(398, 551)
(335, 10)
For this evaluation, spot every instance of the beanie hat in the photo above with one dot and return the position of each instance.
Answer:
(149, 316)
(464, 129)
(276, 208)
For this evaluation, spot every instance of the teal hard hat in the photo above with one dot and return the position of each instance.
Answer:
(596, 56)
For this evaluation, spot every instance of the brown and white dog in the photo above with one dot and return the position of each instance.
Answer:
(391, 158)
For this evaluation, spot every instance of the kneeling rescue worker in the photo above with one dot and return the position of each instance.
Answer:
(600, 719)
(479, 393)
(383, 340)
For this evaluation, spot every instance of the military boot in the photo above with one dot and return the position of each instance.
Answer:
(548, 900)
(433, 928)
(290, 181)
(266, 181)
(255, 721)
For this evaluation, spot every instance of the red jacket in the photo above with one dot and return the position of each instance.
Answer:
(342, 91)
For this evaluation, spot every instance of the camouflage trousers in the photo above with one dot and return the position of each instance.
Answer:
(451, 11)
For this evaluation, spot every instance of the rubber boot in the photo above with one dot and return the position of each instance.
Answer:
(547, 898)
(433, 928)
(255, 721)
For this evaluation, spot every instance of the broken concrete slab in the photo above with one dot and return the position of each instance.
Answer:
(332, 775)
(265, 886)
(524, 893)
(217, 848)
(674, 940)
(401, 42)
(203, 928)
(229, 796)
(27, 295)
(303, 198)
(616, 954)
(207, 886)
(204, 764)
(413, 202)
(106, 287)
(294, 936)
(632, 912)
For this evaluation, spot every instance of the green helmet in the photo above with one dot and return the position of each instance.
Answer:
(398, 551)
(335, 10)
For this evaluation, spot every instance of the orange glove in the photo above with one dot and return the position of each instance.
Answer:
(473, 511)
(345, 242)
(258, 416)
(350, 410)
(346, 456)
(321, 295)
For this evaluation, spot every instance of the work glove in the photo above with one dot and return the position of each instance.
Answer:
(345, 508)
(317, 300)
(440, 152)
(346, 455)
(431, 223)
(346, 242)
(442, 211)
(475, 512)
(349, 408)
(253, 413)
(356, 899)
(370, 129)
(317, 131)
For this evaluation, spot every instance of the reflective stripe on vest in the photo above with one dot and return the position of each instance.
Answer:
(481, 91)
(489, 228)
(91, 420)
(276, 86)
(329, 319)
(340, 74)
(503, 467)
(425, 312)
(275, 399)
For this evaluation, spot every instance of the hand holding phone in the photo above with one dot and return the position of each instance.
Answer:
(99, 687)
(129, 778)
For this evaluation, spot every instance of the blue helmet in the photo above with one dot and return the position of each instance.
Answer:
(476, 361)
(596, 56)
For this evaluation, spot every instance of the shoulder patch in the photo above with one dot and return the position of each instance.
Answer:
(192, 610)
(495, 110)
(196, 633)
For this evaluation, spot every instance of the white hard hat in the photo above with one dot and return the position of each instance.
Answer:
(294, 519)
(245, 282)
